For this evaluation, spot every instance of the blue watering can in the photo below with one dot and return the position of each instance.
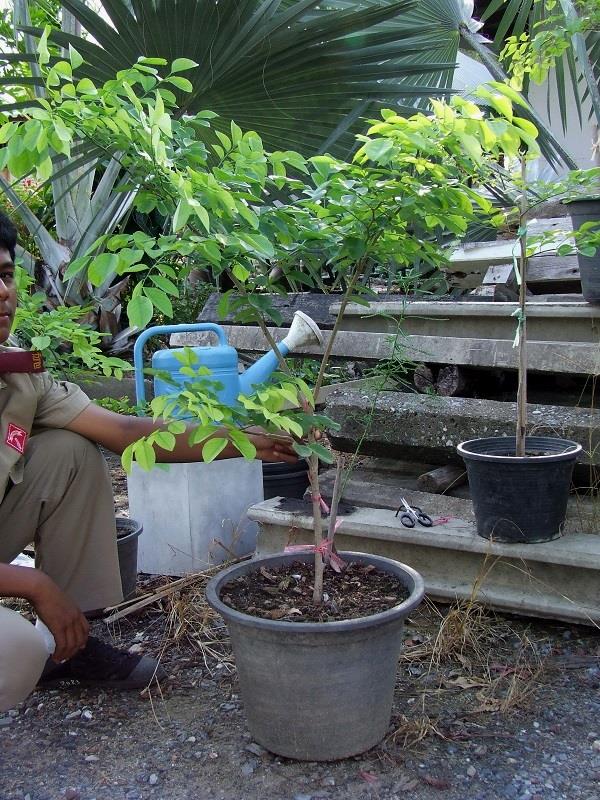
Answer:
(221, 360)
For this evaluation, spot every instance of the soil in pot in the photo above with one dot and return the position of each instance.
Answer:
(286, 593)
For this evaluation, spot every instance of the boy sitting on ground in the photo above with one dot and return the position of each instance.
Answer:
(55, 491)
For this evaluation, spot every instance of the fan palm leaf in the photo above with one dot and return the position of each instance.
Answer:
(293, 71)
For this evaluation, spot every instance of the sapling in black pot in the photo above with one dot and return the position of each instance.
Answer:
(520, 486)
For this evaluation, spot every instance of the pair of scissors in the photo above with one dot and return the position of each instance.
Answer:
(411, 515)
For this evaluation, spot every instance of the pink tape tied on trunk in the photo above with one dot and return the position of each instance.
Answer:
(325, 548)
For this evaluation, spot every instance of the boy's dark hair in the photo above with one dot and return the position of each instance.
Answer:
(8, 235)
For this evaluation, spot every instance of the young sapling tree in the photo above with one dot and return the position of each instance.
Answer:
(409, 176)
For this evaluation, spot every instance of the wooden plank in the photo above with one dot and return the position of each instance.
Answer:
(555, 357)
(548, 270)
(316, 304)
(443, 309)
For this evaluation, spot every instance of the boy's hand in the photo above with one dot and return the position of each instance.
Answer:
(272, 447)
(65, 621)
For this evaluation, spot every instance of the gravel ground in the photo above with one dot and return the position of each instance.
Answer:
(486, 707)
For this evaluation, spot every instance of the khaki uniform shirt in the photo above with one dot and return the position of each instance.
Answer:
(29, 401)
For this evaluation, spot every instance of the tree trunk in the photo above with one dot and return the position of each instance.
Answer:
(452, 381)
(423, 378)
(441, 479)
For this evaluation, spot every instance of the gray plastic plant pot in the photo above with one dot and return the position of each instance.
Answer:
(128, 532)
(317, 691)
(582, 211)
(520, 499)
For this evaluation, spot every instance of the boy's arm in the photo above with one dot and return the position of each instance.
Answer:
(117, 431)
(65, 621)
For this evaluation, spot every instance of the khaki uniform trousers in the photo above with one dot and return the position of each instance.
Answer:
(64, 505)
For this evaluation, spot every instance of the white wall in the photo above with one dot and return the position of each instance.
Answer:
(578, 139)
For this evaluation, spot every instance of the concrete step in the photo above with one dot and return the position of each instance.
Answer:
(572, 357)
(556, 580)
(566, 321)
(428, 429)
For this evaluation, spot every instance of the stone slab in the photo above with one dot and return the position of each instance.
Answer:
(382, 487)
(429, 428)
(556, 580)
(315, 304)
(579, 358)
(563, 321)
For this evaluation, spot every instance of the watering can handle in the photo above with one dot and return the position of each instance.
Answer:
(138, 350)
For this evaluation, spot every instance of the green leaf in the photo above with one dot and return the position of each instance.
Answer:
(42, 48)
(165, 284)
(139, 311)
(224, 139)
(40, 342)
(127, 458)
(85, 86)
(212, 448)
(181, 64)
(63, 68)
(379, 150)
(164, 440)
(257, 243)
(236, 133)
(243, 444)
(159, 300)
(44, 169)
(182, 214)
(181, 83)
(6, 131)
(303, 450)
(202, 214)
(154, 62)
(323, 453)
(145, 455)
(76, 266)
(240, 272)
(102, 267)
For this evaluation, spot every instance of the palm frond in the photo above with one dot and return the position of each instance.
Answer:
(293, 71)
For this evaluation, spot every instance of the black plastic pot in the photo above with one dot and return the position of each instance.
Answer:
(128, 532)
(317, 691)
(281, 479)
(587, 210)
(520, 499)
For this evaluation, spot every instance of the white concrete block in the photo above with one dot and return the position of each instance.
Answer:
(194, 514)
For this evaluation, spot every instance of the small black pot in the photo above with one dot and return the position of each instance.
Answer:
(587, 210)
(281, 479)
(128, 531)
(520, 499)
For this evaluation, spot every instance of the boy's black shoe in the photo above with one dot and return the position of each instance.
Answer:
(102, 665)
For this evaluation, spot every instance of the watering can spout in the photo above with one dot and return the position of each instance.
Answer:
(303, 331)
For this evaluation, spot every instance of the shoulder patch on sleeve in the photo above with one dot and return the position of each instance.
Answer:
(16, 438)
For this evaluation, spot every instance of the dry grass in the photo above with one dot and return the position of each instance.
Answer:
(472, 662)
(410, 732)
(184, 617)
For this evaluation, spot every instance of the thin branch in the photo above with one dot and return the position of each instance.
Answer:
(521, 432)
(335, 497)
